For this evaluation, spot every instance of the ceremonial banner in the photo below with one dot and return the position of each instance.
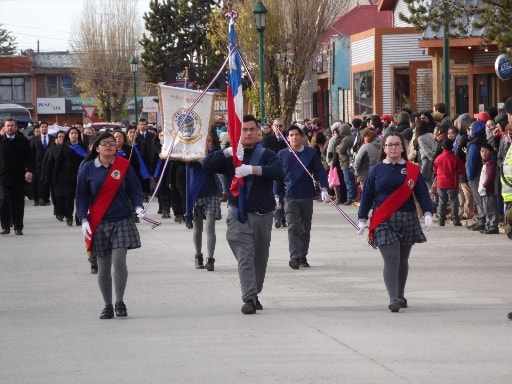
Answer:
(185, 131)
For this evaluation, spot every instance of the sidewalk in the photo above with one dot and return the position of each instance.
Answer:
(327, 324)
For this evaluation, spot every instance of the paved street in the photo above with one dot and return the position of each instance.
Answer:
(327, 324)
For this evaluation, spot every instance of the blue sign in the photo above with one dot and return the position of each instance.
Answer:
(503, 67)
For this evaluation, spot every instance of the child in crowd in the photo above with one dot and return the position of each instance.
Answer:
(487, 189)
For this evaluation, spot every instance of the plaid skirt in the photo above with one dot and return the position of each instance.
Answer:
(209, 205)
(119, 234)
(403, 227)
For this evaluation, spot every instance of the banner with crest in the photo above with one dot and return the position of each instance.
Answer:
(186, 122)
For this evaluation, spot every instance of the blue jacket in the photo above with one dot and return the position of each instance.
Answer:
(473, 158)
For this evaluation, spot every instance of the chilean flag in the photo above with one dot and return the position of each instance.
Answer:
(235, 108)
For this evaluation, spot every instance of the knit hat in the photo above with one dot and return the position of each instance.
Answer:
(464, 120)
(403, 118)
(508, 105)
(501, 119)
(336, 125)
(356, 123)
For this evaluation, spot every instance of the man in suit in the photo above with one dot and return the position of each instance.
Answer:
(16, 168)
(39, 145)
(145, 141)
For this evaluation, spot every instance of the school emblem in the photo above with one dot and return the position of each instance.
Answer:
(410, 183)
(403, 171)
(186, 127)
(116, 174)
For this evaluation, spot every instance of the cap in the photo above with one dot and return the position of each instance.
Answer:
(482, 116)
(387, 118)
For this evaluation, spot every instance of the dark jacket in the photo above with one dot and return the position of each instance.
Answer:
(16, 159)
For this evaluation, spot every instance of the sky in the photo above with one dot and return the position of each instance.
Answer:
(47, 21)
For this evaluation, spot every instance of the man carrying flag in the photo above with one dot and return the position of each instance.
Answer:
(249, 239)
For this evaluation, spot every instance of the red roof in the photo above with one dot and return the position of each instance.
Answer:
(359, 19)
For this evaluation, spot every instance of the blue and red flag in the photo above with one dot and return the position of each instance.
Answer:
(235, 109)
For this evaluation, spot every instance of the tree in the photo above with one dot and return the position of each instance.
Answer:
(176, 39)
(7, 43)
(292, 38)
(105, 39)
(491, 16)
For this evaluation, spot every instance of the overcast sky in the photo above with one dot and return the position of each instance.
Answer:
(49, 21)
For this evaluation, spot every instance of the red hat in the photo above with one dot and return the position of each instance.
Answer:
(482, 116)
(387, 118)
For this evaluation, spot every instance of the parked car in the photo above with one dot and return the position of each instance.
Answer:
(100, 127)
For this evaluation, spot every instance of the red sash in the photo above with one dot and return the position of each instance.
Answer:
(395, 200)
(107, 192)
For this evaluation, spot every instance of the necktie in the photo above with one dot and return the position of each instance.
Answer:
(44, 141)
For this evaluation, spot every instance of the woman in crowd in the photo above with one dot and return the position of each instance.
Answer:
(107, 188)
(49, 162)
(368, 155)
(391, 187)
(67, 161)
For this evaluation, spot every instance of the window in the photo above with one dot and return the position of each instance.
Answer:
(401, 93)
(363, 93)
(66, 86)
(51, 86)
(12, 88)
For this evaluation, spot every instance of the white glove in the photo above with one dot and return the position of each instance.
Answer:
(228, 152)
(140, 212)
(277, 201)
(240, 151)
(428, 222)
(481, 191)
(325, 195)
(361, 225)
(86, 230)
(243, 170)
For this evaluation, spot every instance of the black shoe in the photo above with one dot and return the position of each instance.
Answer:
(509, 316)
(395, 306)
(294, 264)
(121, 309)
(60, 218)
(283, 224)
(304, 263)
(457, 224)
(478, 228)
(5, 231)
(441, 223)
(210, 264)
(159, 212)
(259, 307)
(78, 222)
(108, 312)
(178, 219)
(249, 307)
(278, 224)
(348, 202)
(18, 232)
(166, 215)
(69, 222)
(403, 302)
(491, 231)
(94, 269)
(136, 219)
(36, 204)
(199, 261)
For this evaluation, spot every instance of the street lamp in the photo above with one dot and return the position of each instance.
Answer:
(260, 14)
(133, 66)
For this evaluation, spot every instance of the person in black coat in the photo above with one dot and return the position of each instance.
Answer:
(40, 145)
(69, 156)
(145, 141)
(49, 161)
(16, 168)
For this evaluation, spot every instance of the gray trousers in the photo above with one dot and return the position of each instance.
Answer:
(396, 268)
(299, 214)
(211, 237)
(490, 206)
(250, 243)
(451, 195)
(473, 185)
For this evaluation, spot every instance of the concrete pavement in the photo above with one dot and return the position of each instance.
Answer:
(327, 324)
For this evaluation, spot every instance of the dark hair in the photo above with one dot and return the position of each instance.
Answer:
(440, 107)
(66, 137)
(94, 150)
(248, 118)
(143, 120)
(316, 121)
(125, 139)
(421, 128)
(131, 126)
(447, 144)
(215, 139)
(487, 146)
(292, 128)
(320, 138)
(383, 145)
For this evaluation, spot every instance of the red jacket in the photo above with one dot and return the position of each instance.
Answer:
(448, 168)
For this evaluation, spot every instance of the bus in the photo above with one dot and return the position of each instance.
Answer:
(18, 113)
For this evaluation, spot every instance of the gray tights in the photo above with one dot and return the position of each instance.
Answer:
(211, 237)
(118, 259)
(396, 268)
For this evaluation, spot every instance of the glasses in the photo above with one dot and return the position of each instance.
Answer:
(108, 143)
(393, 145)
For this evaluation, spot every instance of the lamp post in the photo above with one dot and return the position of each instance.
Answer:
(133, 66)
(260, 14)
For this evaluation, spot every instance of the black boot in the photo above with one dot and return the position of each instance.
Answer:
(78, 221)
(199, 261)
(94, 265)
(209, 266)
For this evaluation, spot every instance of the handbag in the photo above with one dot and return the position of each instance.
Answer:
(333, 178)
